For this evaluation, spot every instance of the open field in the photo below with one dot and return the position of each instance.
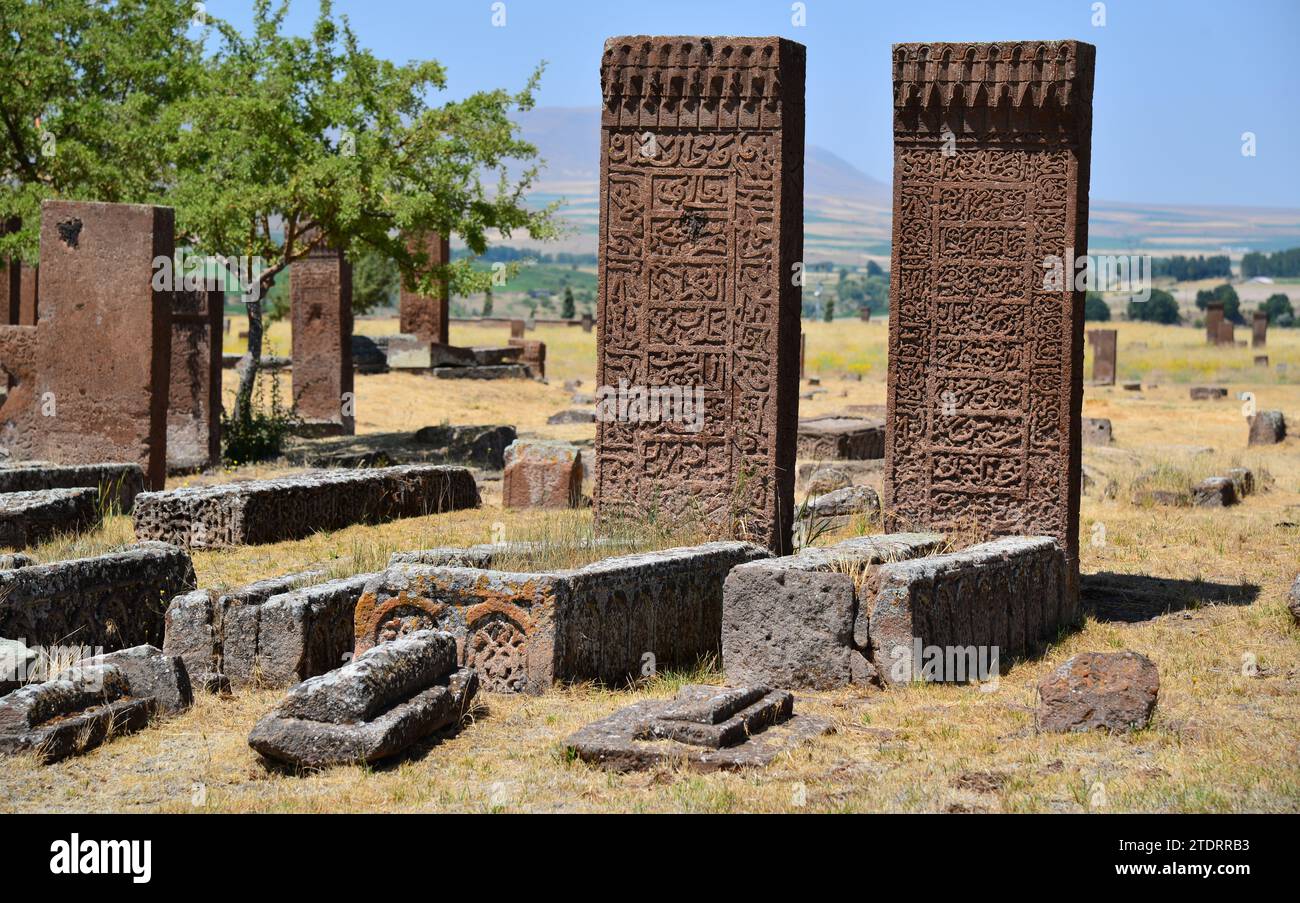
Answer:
(1225, 737)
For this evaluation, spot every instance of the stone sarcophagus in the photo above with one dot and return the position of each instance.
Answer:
(991, 159)
(701, 234)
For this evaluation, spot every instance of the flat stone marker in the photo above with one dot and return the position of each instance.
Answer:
(699, 235)
(1207, 393)
(841, 438)
(89, 382)
(542, 475)
(1110, 691)
(1267, 428)
(372, 708)
(93, 701)
(194, 396)
(992, 144)
(572, 415)
(260, 511)
(320, 290)
(1104, 343)
(705, 728)
(29, 518)
(495, 371)
(421, 315)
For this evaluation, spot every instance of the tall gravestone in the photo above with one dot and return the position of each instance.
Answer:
(194, 396)
(89, 382)
(1259, 329)
(320, 295)
(702, 143)
(1213, 322)
(1227, 333)
(421, 315)
(1103, 342)
(991, 161)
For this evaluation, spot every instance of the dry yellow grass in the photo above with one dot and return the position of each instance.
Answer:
(1225, 738)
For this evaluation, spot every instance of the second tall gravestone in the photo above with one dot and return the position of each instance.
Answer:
(1103, 342)
(701, 230)
(320, 290)
(421, 315)
(991, 157)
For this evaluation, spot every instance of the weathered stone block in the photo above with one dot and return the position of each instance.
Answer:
(89, 382)
(1103, 342)
(616, 619)
(112, 600)
(492, 371)
(1213, 322)
(320, 289)
(1259, 329)
(480, 446)
(1293, 600)
(696, 285)
(422, 315)
(261, 511)
(843, 438)
(848, 502)
(372, 708)
(826, 476)
(1214, 492)
(985, 345)
(573, 415)
(1113, 691)
(1207, 393)
(1096, 431)
(119, 482)
(1243, 481)
(369, 354)
(194, 396)
(1267, 428)
(706, 728)
(1012, 593)
(16, 662)
(789, 622)
(93, 701)
(28, 518)
(542, 475)
(532, 355)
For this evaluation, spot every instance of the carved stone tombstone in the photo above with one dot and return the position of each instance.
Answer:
(194, 396)
(320, 290)
(702, 143)
(1259, 329)
(991, 161)
(1213, 321)
(1227, 333)
(421, 315)
(1103, 342)
(89, 382)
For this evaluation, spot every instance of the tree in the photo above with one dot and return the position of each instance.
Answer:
(292, 144)
(487, 300)
(375, 280)
(1159, 308)
(86, 84)
(828, 308)
(568, 311)
(1279, 310)
(1095, 308)
(1225, 294)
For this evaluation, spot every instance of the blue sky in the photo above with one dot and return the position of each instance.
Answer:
(1177, 82)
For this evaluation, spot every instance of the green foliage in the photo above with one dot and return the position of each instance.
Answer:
(1095, 308)
(1226, 294)
(86, 85)
(259, 436)
(1279, 310)
(1185, 269)
(375, 281)
(828, 308)
(568, 311)
(487, 301)
(1159, 308)
(1280, 263)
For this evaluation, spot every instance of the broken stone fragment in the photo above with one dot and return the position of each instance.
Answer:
(1267, 428)
(1112, 691)
(374, 707)
(542, 474)
(846, 502)
(1214, 492)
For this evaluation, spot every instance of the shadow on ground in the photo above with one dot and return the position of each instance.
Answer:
(1130, 598)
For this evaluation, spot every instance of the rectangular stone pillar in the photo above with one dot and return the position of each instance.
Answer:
(1103, 342)
(29, 295)
(421, 315)
(1213, 320)
(991, 160)
(89, 382)
(1259, 329)
(194, 397)
(1227, 333)
(320, 295)
(702, 143)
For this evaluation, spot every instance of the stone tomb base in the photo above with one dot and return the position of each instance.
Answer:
(705, 728)
(120, 482)
(841, 438)
(292, 507)
(617, 619)
(28, 518)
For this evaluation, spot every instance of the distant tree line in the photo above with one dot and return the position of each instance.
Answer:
(1280, 263)
(1186, 269)
(506, 254)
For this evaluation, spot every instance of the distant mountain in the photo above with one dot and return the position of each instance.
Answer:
(847, 212)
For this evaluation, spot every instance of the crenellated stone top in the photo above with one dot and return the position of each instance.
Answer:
(1015, 74)
(643, 77)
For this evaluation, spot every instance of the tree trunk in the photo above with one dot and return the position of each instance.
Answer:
(248, 365)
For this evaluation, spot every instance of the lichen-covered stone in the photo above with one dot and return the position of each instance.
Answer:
(291, 507)
(28, 518)
(372, 708)
(706, 728)
(119, 482)
(616, 619)
(541, 474)
(1112, 691)
(790, 622)
(1214, 492)
(113, 600)
(1267, 428)
(847, 502)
